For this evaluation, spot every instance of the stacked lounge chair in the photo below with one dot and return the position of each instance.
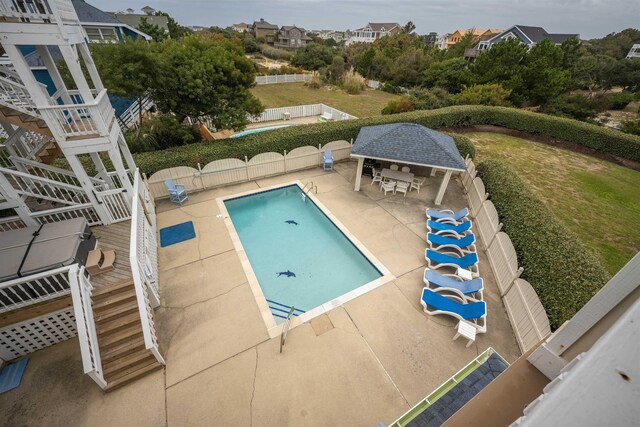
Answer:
(455, 289)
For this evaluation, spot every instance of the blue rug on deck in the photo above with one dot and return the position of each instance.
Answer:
(177, 233)
(11, 375)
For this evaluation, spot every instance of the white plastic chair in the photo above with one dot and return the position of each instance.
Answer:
(417, 182)
(393, 167)
(402, 187)
(388, 186)
(376, 177)
(406, 169)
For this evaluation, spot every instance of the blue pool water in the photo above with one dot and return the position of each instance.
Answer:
(257, 130)
(325, 263)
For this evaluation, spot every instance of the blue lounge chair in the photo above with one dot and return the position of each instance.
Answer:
(473, 312)
(435, 280)
(177, 193)
(327, 161)
(441, 228)
(447, 215)
(437, 260)
(462, 245)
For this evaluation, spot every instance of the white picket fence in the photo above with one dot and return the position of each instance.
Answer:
(282, 78)
(233, 171)
(274, 114)
(528, 318)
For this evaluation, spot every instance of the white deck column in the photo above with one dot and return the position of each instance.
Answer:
(91, 66)
(443, 187)
(54, 73)
(114, 155)
(124, 149)
(11, 195)
(102, 170)
(359, 173)
(73, 63)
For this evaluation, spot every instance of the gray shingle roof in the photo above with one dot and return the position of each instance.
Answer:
(410, 143)
(458, 396)
(537, 34)
(88, 13)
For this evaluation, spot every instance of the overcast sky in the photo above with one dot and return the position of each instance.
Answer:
(589, 18)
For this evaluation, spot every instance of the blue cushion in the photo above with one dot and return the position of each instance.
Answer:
(466, 261)
(11, 375)
(462, 243)
(441, 226)
(474, 310)
(456, 216)
(467, 287)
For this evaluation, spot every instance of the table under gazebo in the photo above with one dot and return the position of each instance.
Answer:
(409, 144)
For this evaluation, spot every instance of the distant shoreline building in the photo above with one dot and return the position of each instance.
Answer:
(527, 35)
(291, 37)
(634, 52)
(265, 30)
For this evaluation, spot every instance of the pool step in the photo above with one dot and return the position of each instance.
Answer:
(281, 310)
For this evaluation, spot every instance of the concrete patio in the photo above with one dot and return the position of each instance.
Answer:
(362, 363)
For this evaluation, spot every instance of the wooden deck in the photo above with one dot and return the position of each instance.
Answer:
(115, 236)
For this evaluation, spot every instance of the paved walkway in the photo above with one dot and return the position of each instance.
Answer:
(365, 362)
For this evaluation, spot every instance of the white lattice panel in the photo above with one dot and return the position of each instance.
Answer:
(37, 333)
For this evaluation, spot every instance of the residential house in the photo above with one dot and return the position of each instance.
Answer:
(441, 41)
(52, 295)
(241, 27)
(477, 35)
(527, 35)
(634, 52)
(338, 36)
(372, 32)
(134, 19)
(196, 28)
(291, 37)
(264, 30)
(430, 39)
(148, 10)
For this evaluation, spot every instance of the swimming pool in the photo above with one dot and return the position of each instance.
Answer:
(298, 255)
(257, 130)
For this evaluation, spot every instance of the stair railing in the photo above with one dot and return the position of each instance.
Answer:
(285, 328)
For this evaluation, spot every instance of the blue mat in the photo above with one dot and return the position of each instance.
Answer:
(11, 375)
(177, 233)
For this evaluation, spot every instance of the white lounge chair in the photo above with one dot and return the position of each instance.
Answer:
(455, 304)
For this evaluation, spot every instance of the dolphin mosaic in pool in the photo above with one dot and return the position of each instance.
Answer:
(291, 222)
(286, 273)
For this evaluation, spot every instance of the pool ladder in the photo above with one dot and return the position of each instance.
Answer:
(309, 186)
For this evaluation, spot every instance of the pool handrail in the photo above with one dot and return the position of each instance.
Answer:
(285, 328)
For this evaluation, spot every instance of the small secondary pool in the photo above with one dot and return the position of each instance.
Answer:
(298, 255)
(257, 130)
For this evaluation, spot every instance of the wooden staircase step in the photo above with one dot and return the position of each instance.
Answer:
(132, 375)
(115, 366)
(119, 323)
(115, 338)
(122, 348)
(120, 297)
(116, 287)
(106, 314)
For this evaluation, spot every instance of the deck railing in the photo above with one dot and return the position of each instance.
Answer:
(144, 263)
(15, 95)
(34, 289)
(39, 11)
(44, 188)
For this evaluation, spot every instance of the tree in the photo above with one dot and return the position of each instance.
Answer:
(501, 64)
(312, 57)
(593, 72)
(199, 77)
(176, 30)
(542, 75)
(466, 42)
(627, 74)
(489, 94)
(409, 27)
(158, 34)
(334, 72)
(451, 74)
(127, 69)
(616, 45)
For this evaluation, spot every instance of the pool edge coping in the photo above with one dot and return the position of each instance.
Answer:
(274, 329)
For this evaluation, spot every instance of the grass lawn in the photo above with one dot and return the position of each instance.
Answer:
(596, 199)
(366, 104)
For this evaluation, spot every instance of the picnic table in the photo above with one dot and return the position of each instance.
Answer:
(397, 175)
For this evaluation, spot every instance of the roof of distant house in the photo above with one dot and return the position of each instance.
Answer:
(379, 26)
(537, 34)
(408, 143)
(88, 13)
(264, 25)
(134, 19)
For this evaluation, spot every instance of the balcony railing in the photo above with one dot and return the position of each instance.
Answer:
(80, 120)
(39, 11)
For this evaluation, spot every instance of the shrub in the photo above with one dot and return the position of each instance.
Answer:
(631, 126)
(273, 53)
(464, 145)
(390, 88)
(489, 94)
(598, 138)
(398, 105)
(620, 100)
(161, 132)
(285, 69)
(576, 106)
(314, 82)
(429, 99)
(563, 272)
(353, 83)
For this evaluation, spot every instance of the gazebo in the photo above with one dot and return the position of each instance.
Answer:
(411, 144)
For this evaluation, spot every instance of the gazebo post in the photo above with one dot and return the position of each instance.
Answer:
(443, 187)
(359, 173)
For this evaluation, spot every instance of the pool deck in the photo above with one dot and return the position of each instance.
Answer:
(362, 363)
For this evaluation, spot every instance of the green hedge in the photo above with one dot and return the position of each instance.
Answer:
(563, 272)
(602, 139)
